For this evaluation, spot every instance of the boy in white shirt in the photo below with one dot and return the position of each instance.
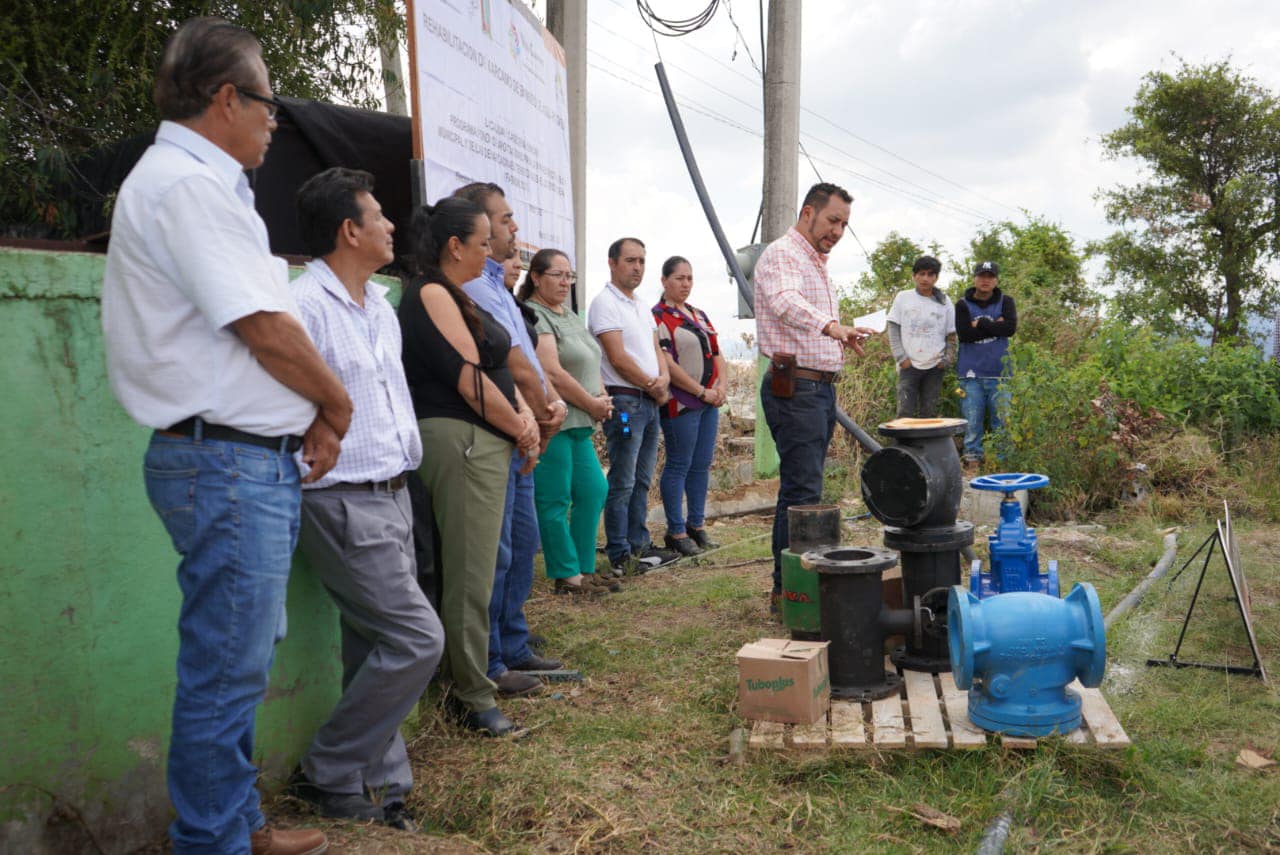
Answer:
(922, 336)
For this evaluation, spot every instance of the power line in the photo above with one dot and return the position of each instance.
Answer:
(830, 122)
(939, 198)
(676, 27)
(697, 107)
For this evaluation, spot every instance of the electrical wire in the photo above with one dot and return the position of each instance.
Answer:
(835, 125)
(676, 27)
(936, 200)
(939, 206)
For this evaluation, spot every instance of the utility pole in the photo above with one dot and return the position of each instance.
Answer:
(567, 21)
(781, 166)
(393, 77)
(781, 119)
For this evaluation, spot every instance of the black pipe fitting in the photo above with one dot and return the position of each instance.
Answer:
(914, 487)
(855, 619)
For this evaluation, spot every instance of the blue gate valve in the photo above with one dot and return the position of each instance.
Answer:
(1017, 653)
(1015, 558)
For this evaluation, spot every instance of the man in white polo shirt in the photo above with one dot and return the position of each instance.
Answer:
(204, 345)
(635, 374)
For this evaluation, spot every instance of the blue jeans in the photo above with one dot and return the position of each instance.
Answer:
(513, 576)
(691, 441)
(631, 462)
(984, 398)
(802, 426)
(231, 511)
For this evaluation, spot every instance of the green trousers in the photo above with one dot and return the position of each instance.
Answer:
(569, 490)
(465, 468)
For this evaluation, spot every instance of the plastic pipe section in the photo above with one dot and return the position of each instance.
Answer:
(1016, 653)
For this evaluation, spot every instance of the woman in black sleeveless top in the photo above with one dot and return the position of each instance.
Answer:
(471, 419)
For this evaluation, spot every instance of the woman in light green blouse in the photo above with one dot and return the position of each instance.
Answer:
(569, 488)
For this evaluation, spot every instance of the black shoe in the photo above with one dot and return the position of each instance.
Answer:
(632, 565)
(396, 815)
(699, 536)
(664, 556)
(683, 545)
(325, 803)
(512, 684)
(537, 663)
(489, 723)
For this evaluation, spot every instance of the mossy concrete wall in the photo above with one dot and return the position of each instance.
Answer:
(88, 592)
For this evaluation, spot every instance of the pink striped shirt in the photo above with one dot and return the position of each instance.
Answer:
(794, 301)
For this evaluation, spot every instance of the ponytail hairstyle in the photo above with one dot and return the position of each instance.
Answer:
(539, 264)
(431, 228)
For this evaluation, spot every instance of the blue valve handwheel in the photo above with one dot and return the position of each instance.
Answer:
(1008, 482)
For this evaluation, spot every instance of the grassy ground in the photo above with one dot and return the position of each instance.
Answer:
(636, 757)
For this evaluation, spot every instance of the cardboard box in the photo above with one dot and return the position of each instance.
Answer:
(783, 680)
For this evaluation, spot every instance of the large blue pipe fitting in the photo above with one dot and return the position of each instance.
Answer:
(1016, 653)
(1015, 557)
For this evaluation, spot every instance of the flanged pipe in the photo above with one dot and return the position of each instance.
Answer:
(914, 487)
(855, 619)
(1016, 653)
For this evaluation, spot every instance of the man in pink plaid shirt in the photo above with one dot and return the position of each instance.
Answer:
(797, 313)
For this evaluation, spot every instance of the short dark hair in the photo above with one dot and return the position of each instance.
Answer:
(669, 266)
(202, 56)
(615, 248)
(538, 265)
(927, 263)
(820, 194)
(325, 202)
(479, 192)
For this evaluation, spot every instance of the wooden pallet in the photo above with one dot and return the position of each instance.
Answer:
(931, 712)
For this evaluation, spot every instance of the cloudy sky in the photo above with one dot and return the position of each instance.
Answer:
(937, 116)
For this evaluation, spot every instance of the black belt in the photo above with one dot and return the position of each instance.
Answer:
(630, 391)
(286, 444)
(389, 486)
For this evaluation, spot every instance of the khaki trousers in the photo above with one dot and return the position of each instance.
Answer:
(465, 469)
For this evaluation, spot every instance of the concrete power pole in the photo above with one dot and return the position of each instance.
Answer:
(781, 119)
(781, 165)
(567, 21)
(393, 77)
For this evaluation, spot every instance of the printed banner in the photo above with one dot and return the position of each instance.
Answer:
(492, 106)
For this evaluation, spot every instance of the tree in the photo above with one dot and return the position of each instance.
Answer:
(1197, 235)
(890, 272)
(78, 74)
(1041, 267)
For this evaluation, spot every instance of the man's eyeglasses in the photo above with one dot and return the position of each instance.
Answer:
(273, 106)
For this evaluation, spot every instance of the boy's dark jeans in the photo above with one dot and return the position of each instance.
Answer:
(918, 392)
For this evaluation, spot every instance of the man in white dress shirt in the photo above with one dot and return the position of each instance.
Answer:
(357, 529)
(204, 345)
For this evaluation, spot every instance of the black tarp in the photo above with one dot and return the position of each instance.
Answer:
(312, 136)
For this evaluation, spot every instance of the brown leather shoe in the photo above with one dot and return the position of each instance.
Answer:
(294, 841)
